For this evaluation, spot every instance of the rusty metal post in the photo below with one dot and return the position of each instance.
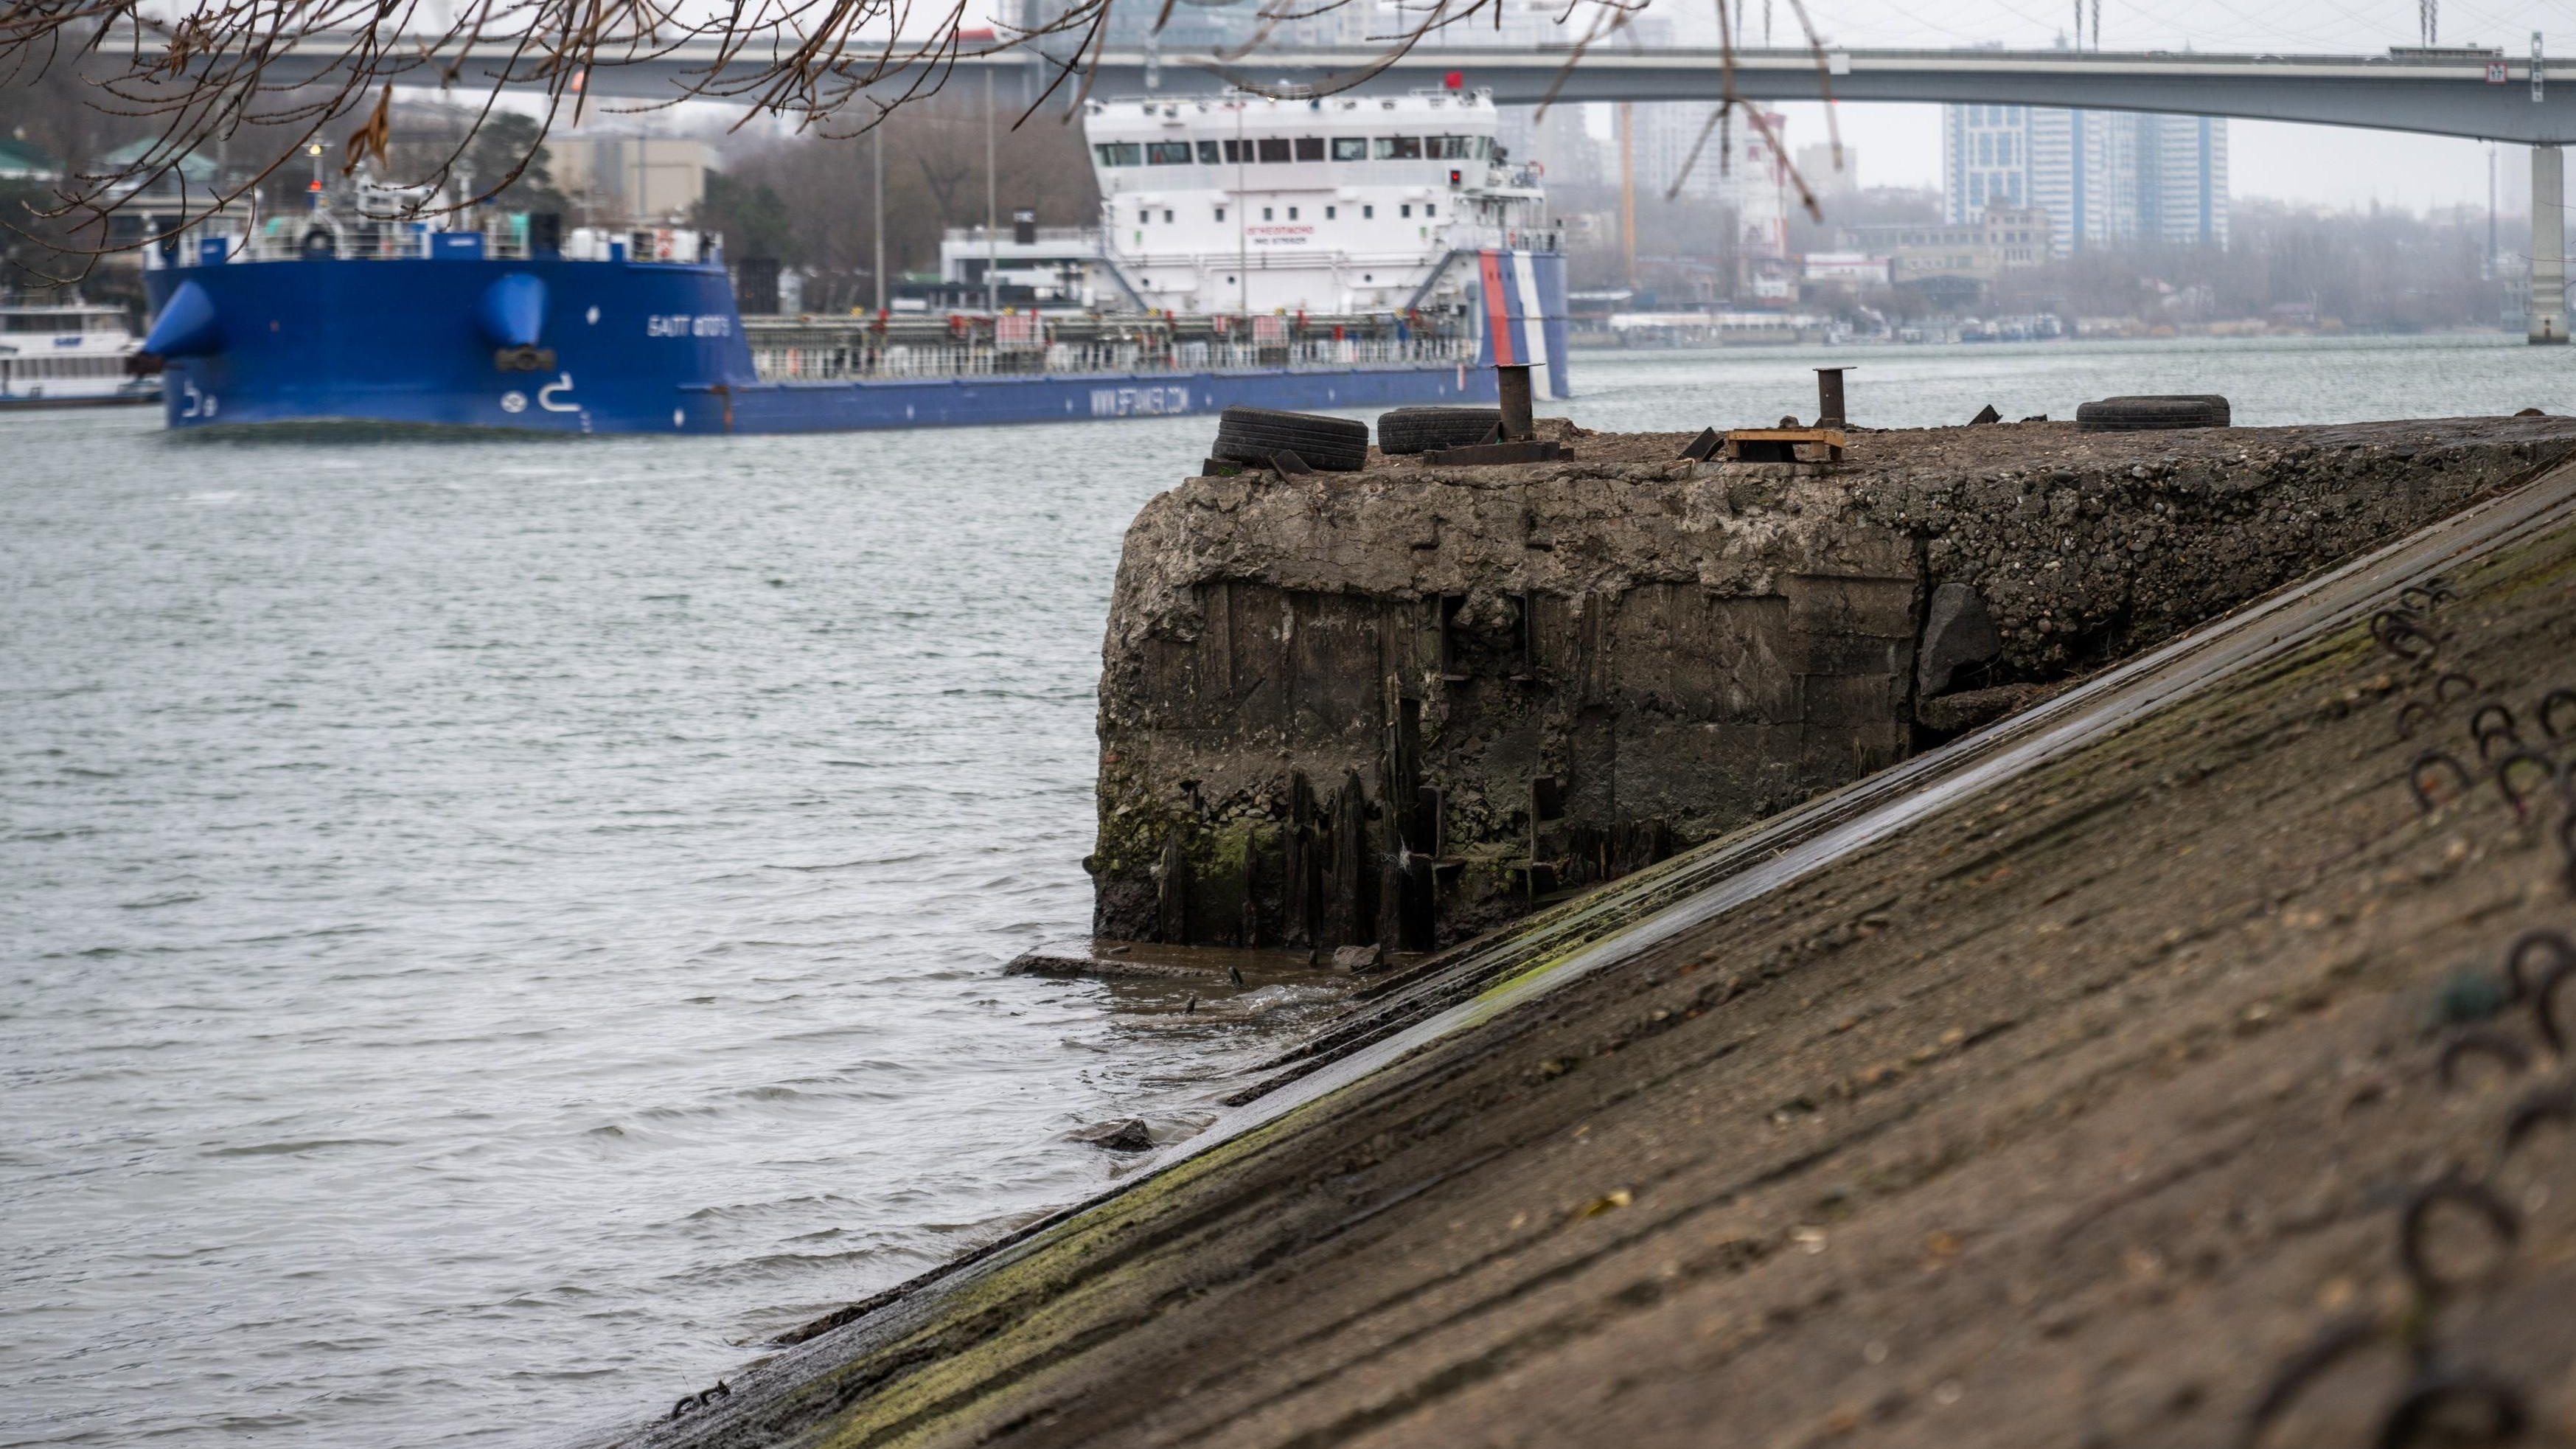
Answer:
(1829, 396)
(1512, 386)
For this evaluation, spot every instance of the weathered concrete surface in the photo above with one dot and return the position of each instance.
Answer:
(1402, 705)
(2059, 1116)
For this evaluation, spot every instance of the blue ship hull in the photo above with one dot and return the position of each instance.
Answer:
(806, 407)
(550, 345)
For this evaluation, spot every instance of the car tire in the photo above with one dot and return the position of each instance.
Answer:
(2136, 414)
(1255, 435)
(1424, 430)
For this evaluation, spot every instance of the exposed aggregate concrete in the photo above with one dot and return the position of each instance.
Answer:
(1661, 650)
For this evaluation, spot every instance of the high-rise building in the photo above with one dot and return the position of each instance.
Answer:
(2182, 180)
(1828, 181)
(1985, 160)
(1734, 166)
(2104, 177)
(1561, 142)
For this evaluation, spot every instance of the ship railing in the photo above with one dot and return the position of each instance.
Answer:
(864, 359)
(391, 242)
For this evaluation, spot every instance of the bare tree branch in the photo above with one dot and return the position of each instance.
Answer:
(280, 74)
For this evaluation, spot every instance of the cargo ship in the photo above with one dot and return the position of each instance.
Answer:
(1300, 254)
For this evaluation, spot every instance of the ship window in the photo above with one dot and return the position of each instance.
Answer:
(1119, 153)
(1430, 208)
(1399, 148)
(1273, 148)
(1220, 213)
(1167, 153)
(1350, 148)
(1265, 213)
(1330, 213)
(1292, 213)
(1310, 148)
(1143, 215)
(1237, 151)
(1167, 217)
(1207, 153)
(1452, 148)
(1368, 213)
(1405, 210)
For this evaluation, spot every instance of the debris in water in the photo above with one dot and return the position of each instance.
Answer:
(1131, 1135)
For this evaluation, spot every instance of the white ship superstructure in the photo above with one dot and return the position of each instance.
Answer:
(68, 352)
(1241, 204)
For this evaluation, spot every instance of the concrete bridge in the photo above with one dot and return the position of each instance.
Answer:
(2472, 93)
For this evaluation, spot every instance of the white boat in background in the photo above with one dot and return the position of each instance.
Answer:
(69, 354)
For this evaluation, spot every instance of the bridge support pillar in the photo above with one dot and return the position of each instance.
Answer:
(2548, 246)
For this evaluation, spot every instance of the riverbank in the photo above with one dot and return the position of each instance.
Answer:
(2053, 1090)
(493, 900)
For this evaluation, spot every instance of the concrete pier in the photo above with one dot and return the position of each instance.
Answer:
(1402, 706)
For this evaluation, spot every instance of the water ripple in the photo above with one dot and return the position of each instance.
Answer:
(497, 926)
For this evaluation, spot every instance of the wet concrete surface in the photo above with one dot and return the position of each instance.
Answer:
(2055, 1088)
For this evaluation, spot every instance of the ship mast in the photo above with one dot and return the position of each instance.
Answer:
(1242, 234)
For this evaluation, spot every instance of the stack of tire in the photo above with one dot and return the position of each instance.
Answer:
(1427, 430)
(1259, 435)
(2141, 414)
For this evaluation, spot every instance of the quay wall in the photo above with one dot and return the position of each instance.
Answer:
(1399, 706)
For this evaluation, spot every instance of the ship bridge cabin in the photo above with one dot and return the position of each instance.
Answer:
(1242, 203)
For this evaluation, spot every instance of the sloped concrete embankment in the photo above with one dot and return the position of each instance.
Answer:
(1401, 706)
(2064, 1100)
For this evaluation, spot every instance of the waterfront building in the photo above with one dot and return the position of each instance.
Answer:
(1957, 262)
(2105, 178)
(1854, 270)
(25, 161)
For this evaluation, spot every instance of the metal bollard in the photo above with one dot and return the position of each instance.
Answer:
(1512, 387)
(1829, 396)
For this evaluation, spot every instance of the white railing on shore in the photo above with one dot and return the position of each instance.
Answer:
(862, 359)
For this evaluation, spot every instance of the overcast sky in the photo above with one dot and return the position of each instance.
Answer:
(1901, 145)
(2333, 165)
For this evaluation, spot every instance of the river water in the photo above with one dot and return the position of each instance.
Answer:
(495, 929)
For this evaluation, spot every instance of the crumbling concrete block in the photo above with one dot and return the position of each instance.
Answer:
(1394, 707)
(1957, 633)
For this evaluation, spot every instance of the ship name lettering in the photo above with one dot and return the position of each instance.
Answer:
(1131, 402)
(681, 324)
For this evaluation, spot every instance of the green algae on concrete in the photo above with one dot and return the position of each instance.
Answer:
(1452, 693)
